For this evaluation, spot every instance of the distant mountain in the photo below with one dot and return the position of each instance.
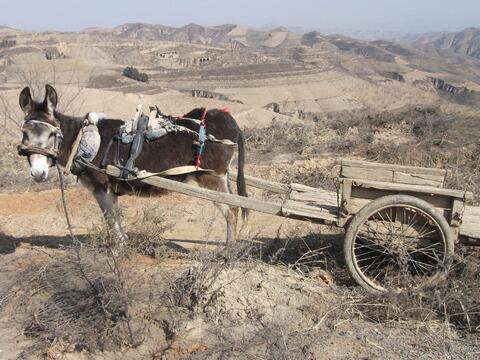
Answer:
(311, 47)
(8, 31)
(197, 34)
(191, 33)
(373, 35)
(277, 37)
(465, 42)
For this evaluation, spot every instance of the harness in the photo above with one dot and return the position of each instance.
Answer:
(202, 136)
(140, 130)
(53, 152)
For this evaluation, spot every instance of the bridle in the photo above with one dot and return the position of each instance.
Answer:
(52, 152)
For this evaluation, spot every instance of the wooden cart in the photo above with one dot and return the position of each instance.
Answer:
(401, 223)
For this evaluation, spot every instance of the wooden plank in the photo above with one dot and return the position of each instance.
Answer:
(215, 196)
(297, 209)
(258, 183)
(391, 167)
(319, 196)
(439, 201)
(471, 222)
(417, 179)
(351, 172)
(459, 194)
(325, 198)
(392, 173)
(458, 208)
(346, 195)
(304, 188)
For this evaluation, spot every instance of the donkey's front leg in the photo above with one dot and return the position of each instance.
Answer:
(108, 202)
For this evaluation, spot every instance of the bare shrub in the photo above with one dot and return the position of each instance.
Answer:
(147, 231)
(79, 298)
(430, 138)
(309, 173)
(69, 84)
(195, 289)
(290, 137)
(233, 296)
(455, 301)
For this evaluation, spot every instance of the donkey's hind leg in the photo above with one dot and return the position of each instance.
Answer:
(230, 213)
(220, 183)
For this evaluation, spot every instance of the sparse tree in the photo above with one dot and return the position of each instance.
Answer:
(134, 74)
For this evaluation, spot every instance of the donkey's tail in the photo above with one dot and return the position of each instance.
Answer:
(241, 185)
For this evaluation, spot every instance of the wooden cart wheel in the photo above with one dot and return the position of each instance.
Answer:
(398, 242)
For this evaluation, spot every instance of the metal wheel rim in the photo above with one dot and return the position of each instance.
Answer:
(440, 242)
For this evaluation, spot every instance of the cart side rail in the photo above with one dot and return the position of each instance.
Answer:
(398, 174)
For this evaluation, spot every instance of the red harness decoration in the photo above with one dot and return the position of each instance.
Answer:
(202, 134)
(202, 137)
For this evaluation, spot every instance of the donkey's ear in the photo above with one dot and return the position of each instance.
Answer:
(25, 100)
(51, 99)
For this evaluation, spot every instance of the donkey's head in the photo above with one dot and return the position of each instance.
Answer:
(41, 132)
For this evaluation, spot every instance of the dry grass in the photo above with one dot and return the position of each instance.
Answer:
(69, 301)
(427, 137)
(147, 229)
(454, 301)
(280, 136)
(80, 299)
(436, 139)
(267, 298)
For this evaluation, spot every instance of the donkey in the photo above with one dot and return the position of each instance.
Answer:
(48, 137)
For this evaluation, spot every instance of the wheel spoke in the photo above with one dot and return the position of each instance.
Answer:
(423, 227)
(390, 221)
(432, 246)
(373, 263)
(423, 265)
(388, 260)
(369, 258)
(422, 236)
(397, 245)
(375, 247)
(363, 253)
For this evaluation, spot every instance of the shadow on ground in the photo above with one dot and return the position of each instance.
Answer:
(303, 253)
(8, 243)
(308, 253)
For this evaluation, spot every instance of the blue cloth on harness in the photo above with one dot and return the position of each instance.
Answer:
(154, 134)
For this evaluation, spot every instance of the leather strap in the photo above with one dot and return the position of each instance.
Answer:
(181, 170)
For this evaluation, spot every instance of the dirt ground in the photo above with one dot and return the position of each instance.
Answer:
(244, 306)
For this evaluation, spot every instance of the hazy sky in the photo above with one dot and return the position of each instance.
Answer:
(389, 15)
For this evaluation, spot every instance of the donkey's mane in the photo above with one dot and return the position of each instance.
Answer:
(67, 118)
(102, 124)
